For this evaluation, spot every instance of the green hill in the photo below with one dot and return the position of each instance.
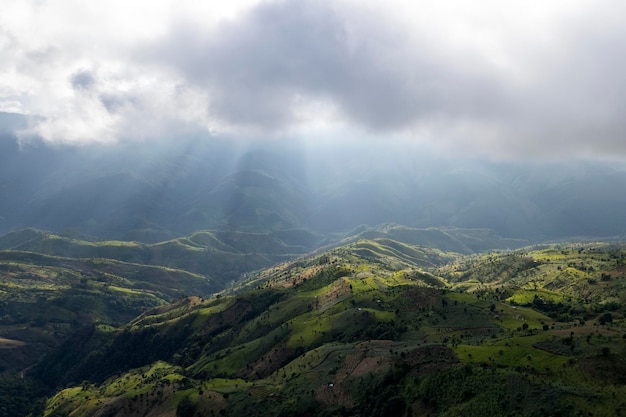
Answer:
(221, 255)
(372, 328)
(44, 299)
(464, 241)
(225, 256)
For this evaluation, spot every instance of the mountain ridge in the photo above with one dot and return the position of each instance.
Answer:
(157, 191)
(362, 333)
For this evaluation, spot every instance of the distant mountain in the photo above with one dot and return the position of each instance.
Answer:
(168, 188)
(465, 241)
(221, 256)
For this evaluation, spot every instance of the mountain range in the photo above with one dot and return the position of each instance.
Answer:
(370, 327)
(151, 192)
(214, 276)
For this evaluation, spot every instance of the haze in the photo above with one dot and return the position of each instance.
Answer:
(504, 115)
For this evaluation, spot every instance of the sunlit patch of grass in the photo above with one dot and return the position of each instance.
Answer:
(467, 286)
(141, 381)
(551, 255)
(381, 315)
(185, 246)
(513, 317)
(462, 297)
(526, 296)
(204, 313)
(126, 290)
(362, 285)
(105, 327)
(308, 329)
(511, 352)
(317, 292)
(62, 396)
(372, 283)
(122, 243)
(231, 360)
(10, 343)
(358, 285)
(105, 243)
(131, 385)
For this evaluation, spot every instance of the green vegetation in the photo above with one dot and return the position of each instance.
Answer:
(219, 255)
(374, 327)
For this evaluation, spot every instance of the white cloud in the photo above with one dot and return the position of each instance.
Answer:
(490, 77)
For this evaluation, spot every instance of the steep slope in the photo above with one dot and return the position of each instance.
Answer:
(567, 281)
(220, 255)
(43, 299)
(225, 256)
(371, 328)
(464, 241)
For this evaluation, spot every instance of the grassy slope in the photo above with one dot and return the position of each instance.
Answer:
(43, 299)
(373, 328)
(456, 240)
(223, 256)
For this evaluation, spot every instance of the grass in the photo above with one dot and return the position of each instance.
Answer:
(358, 316)
(126, 290)
(226, 385)
(309, 329)
(462, 297)
(202, 314)
(316, 292)
(512, 317)
(512, 352)
(526, 296)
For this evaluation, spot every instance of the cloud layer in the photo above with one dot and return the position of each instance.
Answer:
(490, 78)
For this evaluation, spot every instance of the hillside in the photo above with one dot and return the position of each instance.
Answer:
(222, 256)
(465, 241)
(371, 328)
(53, 284)
(44, 299)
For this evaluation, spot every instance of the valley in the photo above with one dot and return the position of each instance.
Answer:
(312, 209)
(431, 329)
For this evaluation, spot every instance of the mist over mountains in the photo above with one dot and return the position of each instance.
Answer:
(155, 190)
(312, 208)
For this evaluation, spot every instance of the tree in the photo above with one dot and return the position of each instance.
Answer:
(606, 318)
(185, 408)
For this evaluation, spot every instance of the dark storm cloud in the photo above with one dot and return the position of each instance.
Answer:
(566, 94)
(259, 69)
(484, 77)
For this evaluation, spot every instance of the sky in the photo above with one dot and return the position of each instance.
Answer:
(502, 80)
